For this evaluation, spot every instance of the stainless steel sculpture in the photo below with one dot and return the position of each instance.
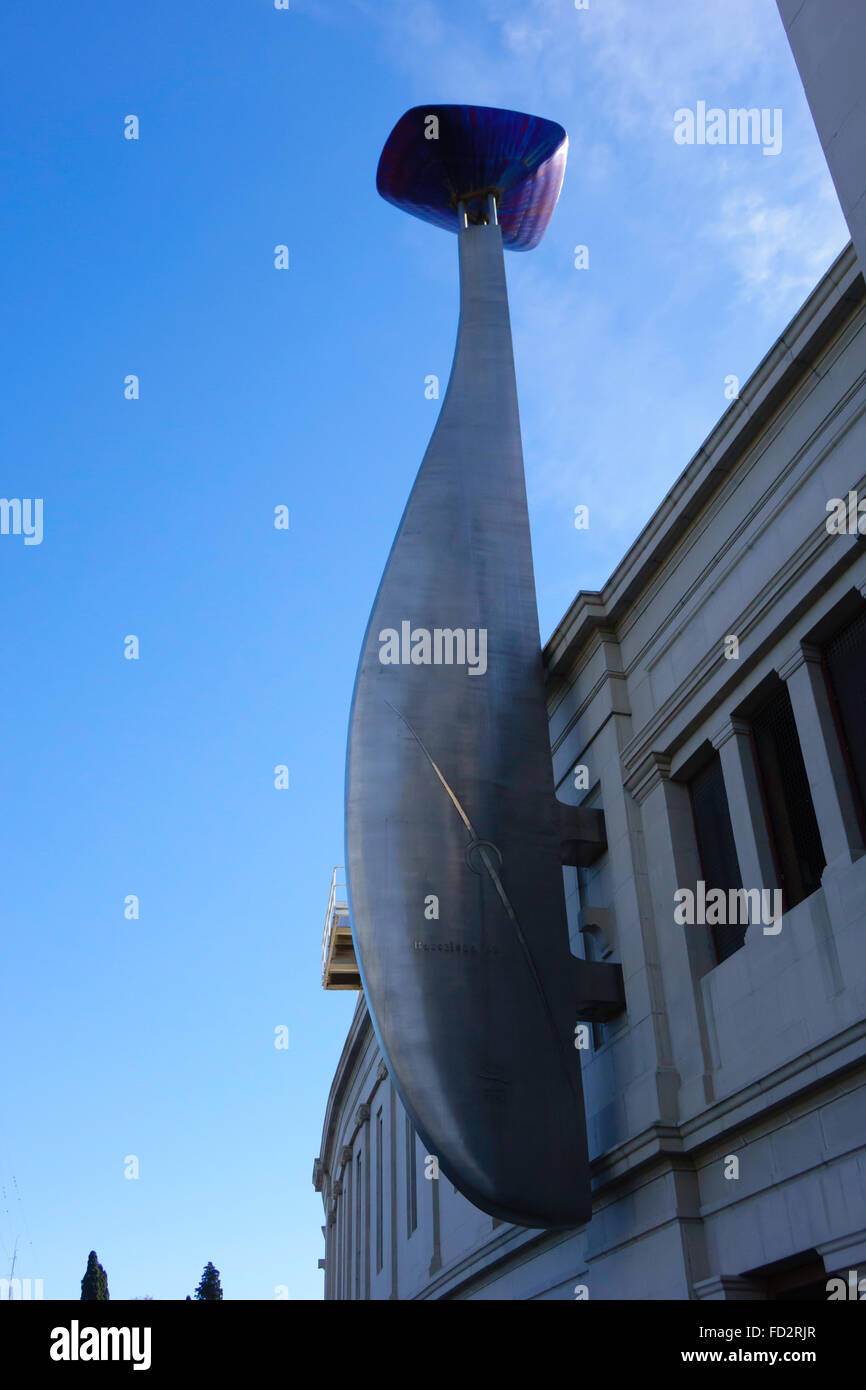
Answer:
(453, 832)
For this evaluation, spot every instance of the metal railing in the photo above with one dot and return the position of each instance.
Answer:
(338, 907)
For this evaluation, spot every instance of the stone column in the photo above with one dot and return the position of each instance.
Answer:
(436, 1258)
(338, 1291)
(362, 1138)
(346, 1193)
(685, 953)
(746, 806)
(393, 1187)
(822, 754)
(331, 1254)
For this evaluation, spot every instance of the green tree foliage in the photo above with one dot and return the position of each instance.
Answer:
(94, 1285)
(209, 1284)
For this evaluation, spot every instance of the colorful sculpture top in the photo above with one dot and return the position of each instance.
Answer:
(436, 155)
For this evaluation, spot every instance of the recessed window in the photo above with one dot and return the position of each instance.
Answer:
(348, 1215)
(845, 667)
(716, 848)
(358, 1191)
(788, 801)
(380, 1195)
(411, 1179)
(797, 1279)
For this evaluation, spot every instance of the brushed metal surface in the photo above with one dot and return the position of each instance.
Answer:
(449, 794)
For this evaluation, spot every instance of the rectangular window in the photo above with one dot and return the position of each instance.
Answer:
(716, 849)
(380, 1195)
(845, 667)
(411, 1179)
(348, 1211)
(788, 801)
(358, 1191)
(339, 1248)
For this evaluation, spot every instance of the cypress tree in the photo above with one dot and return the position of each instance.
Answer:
(94, 1285)
(209, 1284)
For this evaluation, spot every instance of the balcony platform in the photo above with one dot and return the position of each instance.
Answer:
(339, 966)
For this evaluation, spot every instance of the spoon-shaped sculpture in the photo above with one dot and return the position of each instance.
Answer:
(454, 869)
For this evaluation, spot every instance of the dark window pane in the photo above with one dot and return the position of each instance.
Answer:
(791, 815)
(358, 1191)
(718, 853)
(348, 1220)
(380, 1194)
(845, 659)
(411, 1179)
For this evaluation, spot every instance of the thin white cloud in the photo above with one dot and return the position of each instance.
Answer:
(777, 248)
(615, 74)
(711, 247)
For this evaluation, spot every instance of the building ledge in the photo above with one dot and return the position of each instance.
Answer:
(785, 366)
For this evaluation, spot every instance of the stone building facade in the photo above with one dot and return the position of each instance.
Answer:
(711, 701)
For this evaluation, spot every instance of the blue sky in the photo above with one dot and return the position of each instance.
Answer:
(305, 388)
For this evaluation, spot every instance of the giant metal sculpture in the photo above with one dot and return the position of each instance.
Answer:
(453, 829)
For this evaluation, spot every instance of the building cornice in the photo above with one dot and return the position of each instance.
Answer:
(653, 768)
(785, 366)
(715, 679)
(358, 1036)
